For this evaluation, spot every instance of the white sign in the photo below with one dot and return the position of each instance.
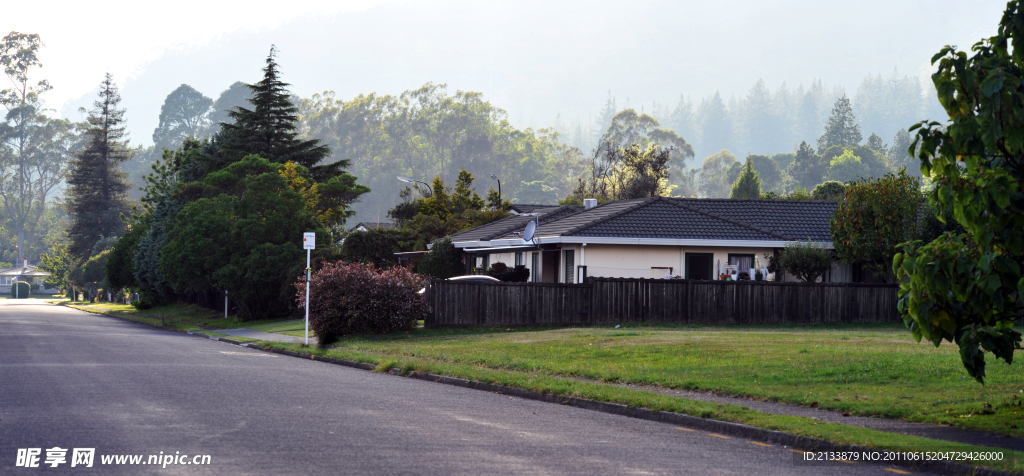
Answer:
(309, 241)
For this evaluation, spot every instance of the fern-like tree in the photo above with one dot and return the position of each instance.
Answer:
(98, 192)
(748, 185)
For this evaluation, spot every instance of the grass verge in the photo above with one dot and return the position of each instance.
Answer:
(174, 316)
(869, 370)
(654, 401)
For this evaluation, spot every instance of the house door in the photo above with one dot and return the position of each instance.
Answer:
(698, 266)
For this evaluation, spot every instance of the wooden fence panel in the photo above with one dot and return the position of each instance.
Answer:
(610, 300)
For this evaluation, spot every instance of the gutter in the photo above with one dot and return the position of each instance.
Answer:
(592, 240)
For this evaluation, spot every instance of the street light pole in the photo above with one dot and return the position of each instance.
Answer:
(414, 182)
(495, 177)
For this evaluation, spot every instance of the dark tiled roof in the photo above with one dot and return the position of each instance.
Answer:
(796, 219)
(507, 226)
(528, 208)
(676, 218)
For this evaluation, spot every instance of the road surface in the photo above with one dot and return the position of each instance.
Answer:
(69, 379)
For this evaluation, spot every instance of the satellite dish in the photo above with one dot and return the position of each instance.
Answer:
(531, 228)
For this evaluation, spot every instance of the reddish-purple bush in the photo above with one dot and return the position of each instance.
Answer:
(355, 298)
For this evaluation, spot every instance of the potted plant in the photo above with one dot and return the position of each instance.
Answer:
(757, 273)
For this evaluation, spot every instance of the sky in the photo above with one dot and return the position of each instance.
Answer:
(535, 59)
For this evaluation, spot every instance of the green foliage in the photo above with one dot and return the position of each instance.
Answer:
(496, 201)
(57, 262)
(120, 266)
(154, 287)
(807, 168)
(501, 271)
(348, 299)
(377, 246)
(808, 260)
(97, 193)
(714, 172)
(21, 289)
(768, 172)
(748, 185)
(443, 261)
(841, 129)
(536, 192)
(34, 150)
(622, 174)
(243, 239)
(831, 190)
(966, 288)
(876, 216)
(268, 129)
(846, 168)
(184, 114)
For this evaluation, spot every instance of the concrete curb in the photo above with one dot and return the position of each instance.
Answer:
(706, 424)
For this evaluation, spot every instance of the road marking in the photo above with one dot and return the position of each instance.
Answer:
(758, 443)
(716, 435)
(897, 471)
(684, 429)
(798, 451)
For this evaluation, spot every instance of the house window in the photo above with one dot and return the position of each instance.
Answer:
(519, 258)
(743, 263)
(482, 263)
(570, 277)
(535, 267)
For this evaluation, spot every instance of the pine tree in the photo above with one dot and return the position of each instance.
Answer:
(98, 193)
(807, 168)
(748, 185)
(268, 129)
(841, 128)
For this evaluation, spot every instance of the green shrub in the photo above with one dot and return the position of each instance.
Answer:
(443, 261)
(21, 289)
(501, 271)
(830, 190)
(806, 260)
(356, 298)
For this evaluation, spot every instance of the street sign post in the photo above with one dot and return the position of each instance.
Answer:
(308, 243)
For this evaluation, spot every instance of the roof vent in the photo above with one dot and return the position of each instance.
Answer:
(589, 203)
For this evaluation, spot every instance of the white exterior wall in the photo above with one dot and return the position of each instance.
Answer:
(628, 261)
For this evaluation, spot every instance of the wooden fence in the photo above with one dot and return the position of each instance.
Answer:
(678, 301)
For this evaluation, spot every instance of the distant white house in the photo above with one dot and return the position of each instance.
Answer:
(27, 273)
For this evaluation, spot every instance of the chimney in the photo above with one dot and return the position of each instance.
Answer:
(589, 203)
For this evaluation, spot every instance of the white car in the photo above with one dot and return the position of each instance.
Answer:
(469, 277)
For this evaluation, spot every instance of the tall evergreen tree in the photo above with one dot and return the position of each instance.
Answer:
(268, 129)
(98, 192)
(841, 128)
(716, 126)
(748, 185)
(807, 168)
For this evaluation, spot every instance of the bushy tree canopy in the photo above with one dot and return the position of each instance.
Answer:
(967, 287)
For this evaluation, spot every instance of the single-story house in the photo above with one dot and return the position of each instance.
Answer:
(27, 273)
(654, 237)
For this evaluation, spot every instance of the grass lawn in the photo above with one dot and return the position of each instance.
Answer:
(865, 370)
(175, 316)
(445, 353)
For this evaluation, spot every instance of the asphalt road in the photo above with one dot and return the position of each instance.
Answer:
(70, 379)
